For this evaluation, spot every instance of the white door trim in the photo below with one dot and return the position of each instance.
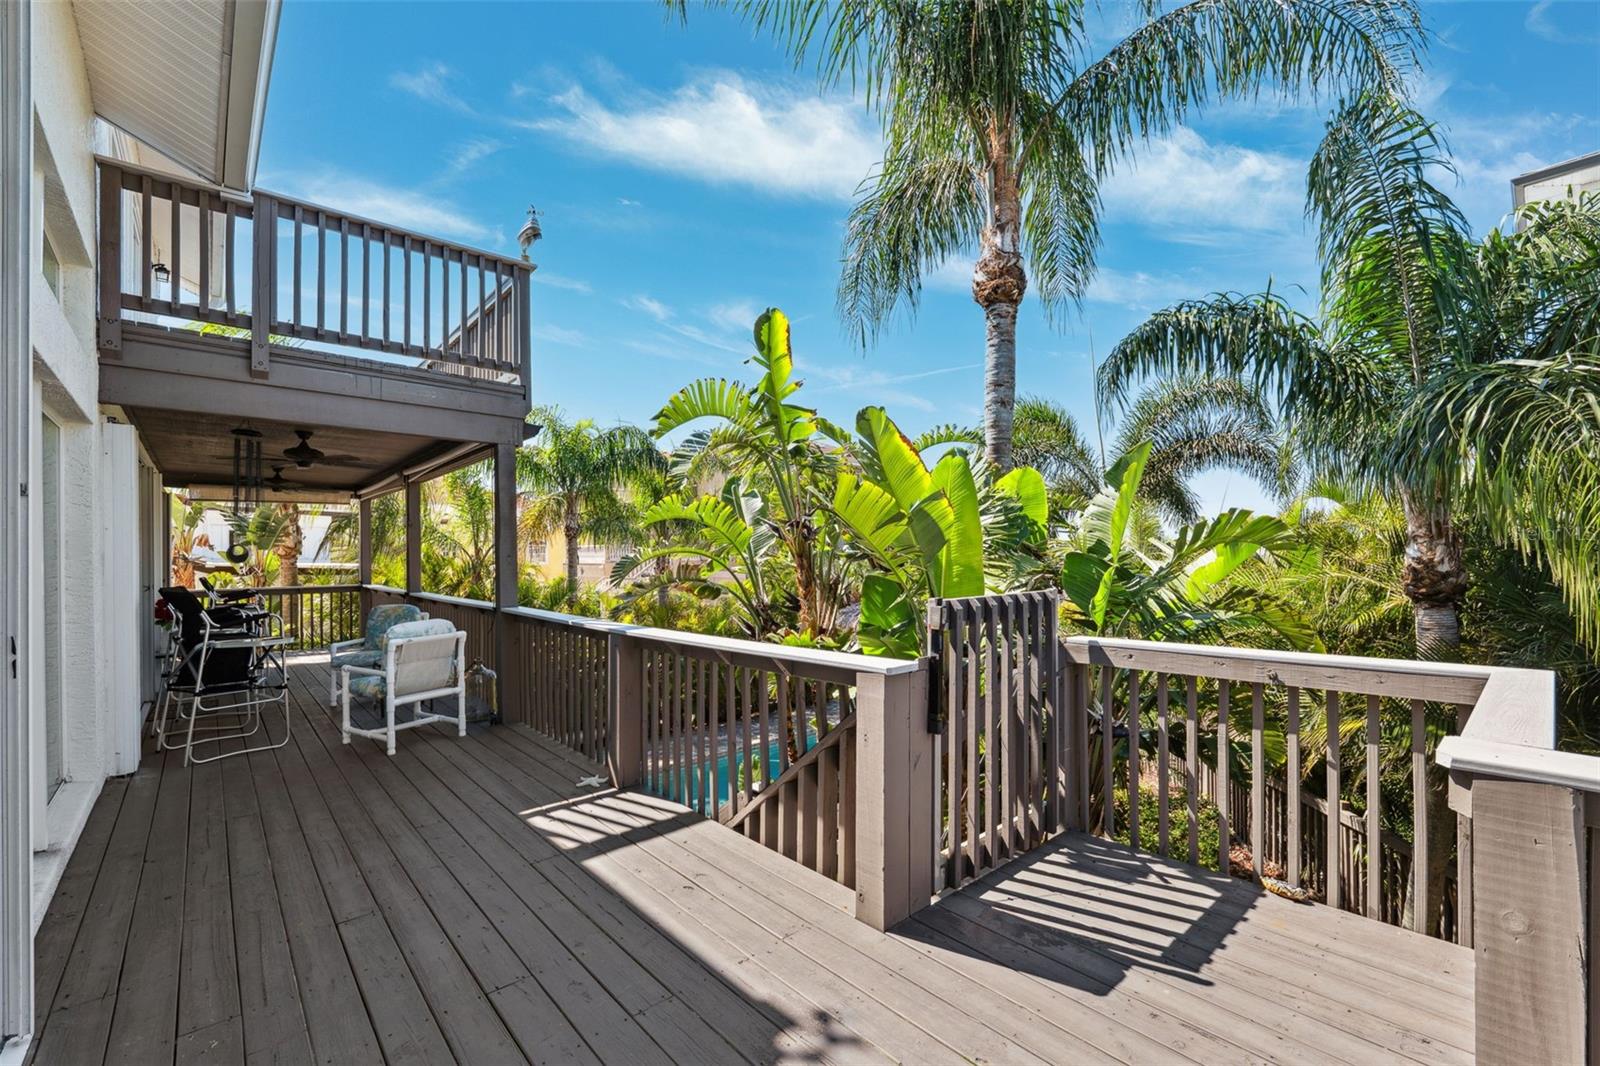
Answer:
(16, 363)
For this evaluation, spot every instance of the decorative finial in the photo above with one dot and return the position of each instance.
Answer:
(530, 232)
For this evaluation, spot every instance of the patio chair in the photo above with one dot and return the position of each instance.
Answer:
(422, 661)
(224, 670)
(367, 650)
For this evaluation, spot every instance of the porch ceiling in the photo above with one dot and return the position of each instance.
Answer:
(196, 450)
(188, 77)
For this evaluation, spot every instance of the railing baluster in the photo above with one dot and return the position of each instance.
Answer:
(974, 645)
(499, 313)
(444, 305)
(322, 272)
(299, 219)
(954, 663)
(1258, 809)
(1293, 846)
(1224, 829)
(1005, 679)
(1163, 770)
(146, 239)
(1421, 906)
(1191, 764)
(203, 296)
(175, 284)
(478, 346)
(388, 313)
(344, 279)
(461, 339)
(228, 270)
(405, 307)
(1133, 758)
(1374, 823)
(1108, 743)
(427, 296)
(1332, 874)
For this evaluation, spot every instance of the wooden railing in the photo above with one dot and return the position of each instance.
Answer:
(316, 615)
(999, 778)
(563, 667)
(308, 273)
(1205, 714)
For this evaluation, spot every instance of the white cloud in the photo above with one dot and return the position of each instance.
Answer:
(1540, 24)
(1140, 291)
(623, 201)
(1192, 188)
(571, 338)
(408, 208)
(468, 155)
(721, 130)
(431, 83)
(879, 386)
(558, 281)
(737, 316)
(650, 306)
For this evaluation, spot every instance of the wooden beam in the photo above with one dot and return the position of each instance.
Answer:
(1529, 886)
(364, 542)
(505, 567)
(110, 262)
(414, 536)
(894, 796)
(624, 709)
(264, 283)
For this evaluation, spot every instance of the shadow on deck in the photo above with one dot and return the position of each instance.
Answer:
(467, 900)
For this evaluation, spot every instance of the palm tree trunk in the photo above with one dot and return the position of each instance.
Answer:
(290, 547)
(1434, 577)
(998, 282)
(569, 527)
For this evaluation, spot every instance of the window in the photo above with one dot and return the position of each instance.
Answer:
(52, 267)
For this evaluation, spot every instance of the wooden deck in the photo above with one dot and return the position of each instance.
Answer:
(468, 901)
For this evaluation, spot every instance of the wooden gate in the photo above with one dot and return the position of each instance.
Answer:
(996, 708)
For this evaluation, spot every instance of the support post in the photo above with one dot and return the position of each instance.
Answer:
(109, 261)
(895, 824)
(264, 282)
(505, 575)
(1529, 906)
(364, 542)
(624, 709)
(413, 536)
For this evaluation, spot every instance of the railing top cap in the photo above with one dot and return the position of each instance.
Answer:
(1292, 658)
(861, 664)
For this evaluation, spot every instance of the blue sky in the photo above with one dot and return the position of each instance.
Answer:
(687, 177)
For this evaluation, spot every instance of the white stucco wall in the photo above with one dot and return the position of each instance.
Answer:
(66, 386)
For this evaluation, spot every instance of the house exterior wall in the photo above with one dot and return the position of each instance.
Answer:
(65, 371)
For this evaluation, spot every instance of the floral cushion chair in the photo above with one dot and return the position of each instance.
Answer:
(367, 650)
(421, 662)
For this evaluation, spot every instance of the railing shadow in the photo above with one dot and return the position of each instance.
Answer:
(687, 956)
(1085, 912)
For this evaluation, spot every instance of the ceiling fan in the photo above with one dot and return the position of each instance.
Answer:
(278, 483)
(305, 455)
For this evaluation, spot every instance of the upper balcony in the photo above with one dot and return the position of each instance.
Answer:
(273, 308)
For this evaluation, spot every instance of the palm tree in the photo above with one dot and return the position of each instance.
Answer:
(999, 127)
(1192, 424)
(573, 476)
(1392, 246)
(1515, 415)
(458, 533)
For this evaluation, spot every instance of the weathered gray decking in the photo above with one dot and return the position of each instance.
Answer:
(467, 900)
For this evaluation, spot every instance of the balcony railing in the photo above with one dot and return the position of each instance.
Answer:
(288, 271)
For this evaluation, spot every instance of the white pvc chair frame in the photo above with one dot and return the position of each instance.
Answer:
(334, 649)
(391, 700)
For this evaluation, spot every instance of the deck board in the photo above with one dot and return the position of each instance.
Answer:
(467, 900)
